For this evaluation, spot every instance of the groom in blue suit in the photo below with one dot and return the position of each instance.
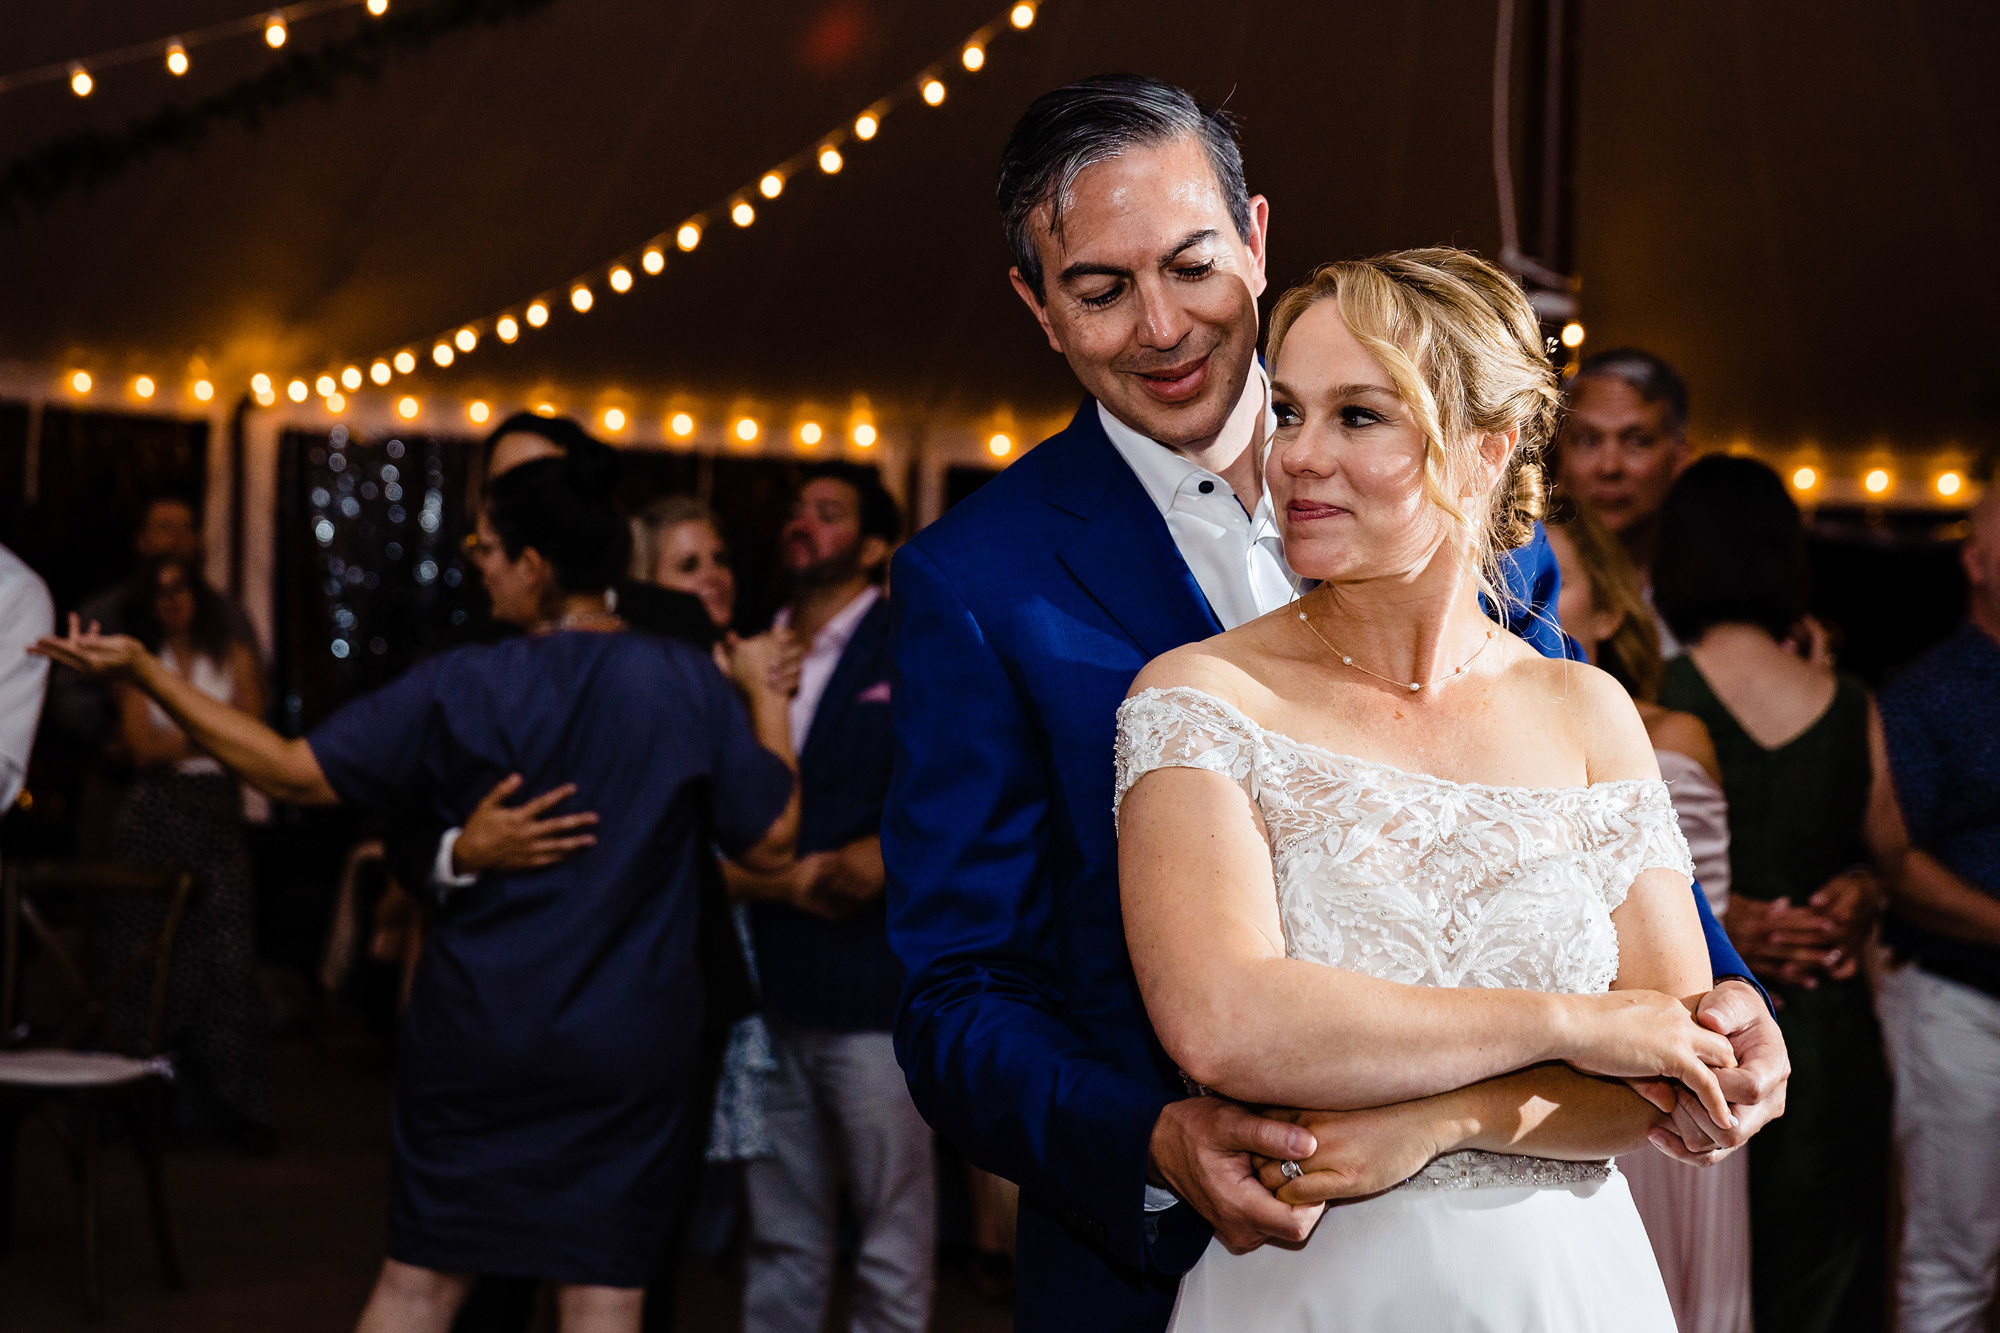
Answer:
(1022, 617)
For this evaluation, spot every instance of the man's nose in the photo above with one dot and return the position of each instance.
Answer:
(1163, 323)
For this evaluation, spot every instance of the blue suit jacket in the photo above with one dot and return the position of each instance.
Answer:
(1022, 617)
(838, 976)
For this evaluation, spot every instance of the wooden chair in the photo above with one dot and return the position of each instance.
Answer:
(62, 1064)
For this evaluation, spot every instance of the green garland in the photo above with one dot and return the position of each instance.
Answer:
(80, 161)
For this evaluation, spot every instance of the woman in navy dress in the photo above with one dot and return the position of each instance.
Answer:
(545, 1084)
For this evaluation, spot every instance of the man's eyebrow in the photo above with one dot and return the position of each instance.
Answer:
(1084, 270)
(1187, 243)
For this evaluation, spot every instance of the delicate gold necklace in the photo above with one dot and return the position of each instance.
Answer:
(1413, 685)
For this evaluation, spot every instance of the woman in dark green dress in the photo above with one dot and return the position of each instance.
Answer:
(1731, 579)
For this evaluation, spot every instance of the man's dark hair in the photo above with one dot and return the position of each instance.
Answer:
(563, 432)
(1083, 124)
(1654, 379)
(881, 516)
(1732, 551)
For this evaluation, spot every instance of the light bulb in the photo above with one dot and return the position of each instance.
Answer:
(274, 31)
(378, 7)
(406, 361)
(143, 386)
(260, 383)
(688, 237)
(80, 81)
(933, 91)
(177, 59)
(297, 391)
(336, 403)
(810, 434)
(614, 419)
(1000, 445)
(621, 279)
(743, 215)
(538, 314)
(407, 408)
(680, 425)
(653, 260)
(973, 56)
(507, 328)
(545, 409)
(1949, 484)
(829, 159)
(1804, 479)
(324, 385)
(443, 355)
(863, 435)
(203, 391)
(745, 429)
(866, 124)
(1022, 16)
(380, 372)
(580, 297)
(467, 339)
(772, 185)
(266, 398)
(477, 412)
(1875, 482)
(350, 378)
(1572, 334)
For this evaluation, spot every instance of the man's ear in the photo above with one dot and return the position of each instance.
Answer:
(1258, 242)
(875, 553)
(1035, 305)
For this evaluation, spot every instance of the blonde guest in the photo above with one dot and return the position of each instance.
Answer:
(1698, 1220)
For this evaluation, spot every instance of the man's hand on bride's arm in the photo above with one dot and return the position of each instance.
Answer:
(1755, 1087)
(1205, 1150)
(498, 836)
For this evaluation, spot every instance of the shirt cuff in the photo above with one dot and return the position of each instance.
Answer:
(1159, 1200)
(443, 878)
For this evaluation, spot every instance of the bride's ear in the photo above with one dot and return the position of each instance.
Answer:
(1495, 451)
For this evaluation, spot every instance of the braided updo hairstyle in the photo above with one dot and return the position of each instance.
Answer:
(1465, 354)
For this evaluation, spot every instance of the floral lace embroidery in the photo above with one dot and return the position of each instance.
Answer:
(1421, 880)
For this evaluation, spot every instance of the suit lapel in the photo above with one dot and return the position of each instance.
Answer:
(1122, 552)
(861, 655)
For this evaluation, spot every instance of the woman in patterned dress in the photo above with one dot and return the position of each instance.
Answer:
(184, 811)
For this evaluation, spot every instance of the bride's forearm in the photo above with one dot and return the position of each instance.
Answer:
(1549, 1111)
(1290, 1033)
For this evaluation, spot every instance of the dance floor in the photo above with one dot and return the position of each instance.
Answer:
(287, 1242)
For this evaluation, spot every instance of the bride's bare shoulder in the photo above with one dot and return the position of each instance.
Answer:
(1222, 666)
(1590, 705)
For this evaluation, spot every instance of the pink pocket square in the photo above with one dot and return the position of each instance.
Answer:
(874, 694)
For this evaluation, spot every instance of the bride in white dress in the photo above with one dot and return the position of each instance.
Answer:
(1379, 856)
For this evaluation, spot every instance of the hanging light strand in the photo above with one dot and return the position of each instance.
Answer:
(823, 153)
(171, 52)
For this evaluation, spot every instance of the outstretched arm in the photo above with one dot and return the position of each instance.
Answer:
(285, 770)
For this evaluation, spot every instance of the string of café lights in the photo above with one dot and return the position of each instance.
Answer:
(174, 52)
(739, 207)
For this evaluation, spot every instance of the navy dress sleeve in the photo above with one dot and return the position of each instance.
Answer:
(374, 751)
(751, 785)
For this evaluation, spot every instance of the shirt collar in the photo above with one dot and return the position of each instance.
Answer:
(1166, 473)
(837, 632)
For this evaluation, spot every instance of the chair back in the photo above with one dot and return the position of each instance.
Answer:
(34, 901)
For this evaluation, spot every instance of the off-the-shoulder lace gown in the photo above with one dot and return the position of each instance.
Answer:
(1419, 880)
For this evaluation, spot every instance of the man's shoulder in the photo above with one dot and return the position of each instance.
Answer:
(1940, 671)
(1016, 504)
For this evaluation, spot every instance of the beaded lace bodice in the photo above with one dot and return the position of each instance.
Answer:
(1420, 880)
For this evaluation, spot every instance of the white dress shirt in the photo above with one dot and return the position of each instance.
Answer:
(821, 657)
(1238, 559)
(26, 614)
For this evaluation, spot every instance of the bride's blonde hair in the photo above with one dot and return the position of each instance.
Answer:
(1465, 354)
